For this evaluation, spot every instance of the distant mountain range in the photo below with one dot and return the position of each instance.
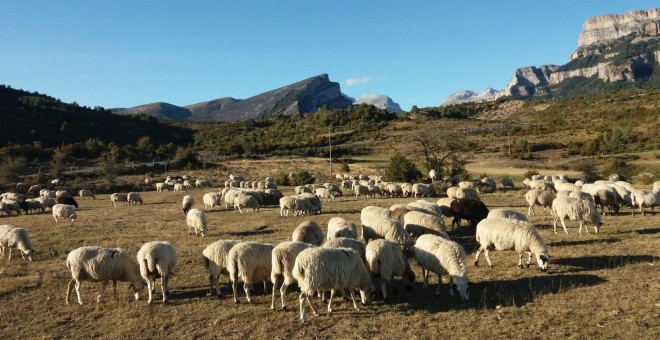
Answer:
(466, 96)
(614, 51)
(380, 101)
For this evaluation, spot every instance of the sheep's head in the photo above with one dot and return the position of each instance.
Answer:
(366, 294)
(409, 280)
(73, 216)
(462, 288)
(542, 260)
(28, 254)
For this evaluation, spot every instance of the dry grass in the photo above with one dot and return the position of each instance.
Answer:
(598, 286)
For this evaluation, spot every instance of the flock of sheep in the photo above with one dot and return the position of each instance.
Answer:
(344, 258)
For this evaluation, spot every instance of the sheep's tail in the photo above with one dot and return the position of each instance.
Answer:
(151, 263)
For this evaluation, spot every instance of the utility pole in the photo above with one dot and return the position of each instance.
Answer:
(508, 141)
(330, 144)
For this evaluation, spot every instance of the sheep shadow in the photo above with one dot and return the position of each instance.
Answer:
(261, 230)
(493, 294)
(651, 231)
(579, 264)
(582, 242)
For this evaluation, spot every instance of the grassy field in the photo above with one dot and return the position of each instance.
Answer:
(597, 286)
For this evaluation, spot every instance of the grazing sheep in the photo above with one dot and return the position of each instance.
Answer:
(467, 185)
(360, 189)
(249, 262)
(644, 199)
(506, 234)
(66, 200)
(203, 183)
(120, 198)
(438, 255)
(215, 262)
(418, 223)
(581, 195)
(507, 213)
(14, 237)
(196, 220)
(308, 232)
(433, 175)
(243, 200)
(489, 182)
(420, 190)
(575, 209)
(314, 200)
(64, 210)
(384, 261)
(47, 202)
(98, 264)
(376, 227)
(302, 189)
(187, 203)
(8, 206)
(467, 193)
(86, 193)
(325, 193)
(288, 203)
(35, 189)
(163, 186)
(466, 209)
(445, 204)
(178, 187)
(211, 200)
(31, 205)
(283, 259)
(425, 206)
(606, 198)
(656, 187)
(345, 242)
(134, 198)
(507, 183)
(341, 227)
(157, 260)
(539, 197)
(566, 186)
(47, 193)
(319, 269)
(62, 193)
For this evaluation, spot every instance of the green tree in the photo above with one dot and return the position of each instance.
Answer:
(58, 160)
(302, 178)
(401, 169)
(109, 164)
(144, 147)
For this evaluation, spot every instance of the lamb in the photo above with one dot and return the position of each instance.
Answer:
(66, 200)
(507, 213)
(507, 183)
(575, 209)
(384, 261)
(97, 264)
(249, 262)
(245, 201)
(211, 200)
(134, 198)
(283, 259)
(318, 269)
(417, 223)
(376, 227)
(14, 237)
(196, 220)
(64, 210)
(433, 175)
(86, 193)
(308, 232)
(438, 255)
(215, 261)
(505, 234)
(120, 198)
(157, 260)
(340, 227)
(644, 198)
(422, 190)
(539, 197)
(187, 203)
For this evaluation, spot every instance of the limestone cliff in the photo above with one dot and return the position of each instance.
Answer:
(608, 27)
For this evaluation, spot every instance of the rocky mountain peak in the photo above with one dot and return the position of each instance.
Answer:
(380, 101)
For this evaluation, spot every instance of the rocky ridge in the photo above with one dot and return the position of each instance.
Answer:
(380, 101)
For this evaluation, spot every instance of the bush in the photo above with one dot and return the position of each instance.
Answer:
(530, 173)
(281, 179)
(400, 169)
(302, 178)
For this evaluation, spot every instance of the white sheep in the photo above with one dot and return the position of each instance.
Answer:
(215, 262)
(656, 187)
(196, 220)
(203, 183)
(187, 203)
(249, 262)
(211, 200)
(283, 259)
(320, 269)
(134, 198)
(606, 198)
(244, 200)
(120, 198)
(507, 234)
(15, 237)
(445, 206)
(341, 227)
(62, 193)
(575, 209)
(86, 193)
(467, 193)
(438, 255)
(507, 213)
(46, 202)
(157, 260)
(406, 189)
(178, 187)
(288, 203)
(314, 200)
(376, 227)
(420, 190)
(308, 232)
(644, 199)
(360, 189)
(163, 186)
(97, 264)
(64, 210)
(425, 206)
(384, 261)
(326, 194)
(418, 223)
(538, 197)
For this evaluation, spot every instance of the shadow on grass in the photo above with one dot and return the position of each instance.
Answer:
(601, 262)
(581, 242)
(490, 295)
(261, 230)
(651, 231)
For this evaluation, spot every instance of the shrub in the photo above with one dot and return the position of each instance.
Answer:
(400, 169)
(302, 178)
(530, 173)
(281, 179)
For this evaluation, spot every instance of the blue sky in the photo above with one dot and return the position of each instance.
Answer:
(127, 53)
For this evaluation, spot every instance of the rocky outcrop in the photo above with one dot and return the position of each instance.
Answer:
(530, 81)
(629, 70)
(159, 110)
(603, 28)
(467, 96)
(380, 101)
(559, 76)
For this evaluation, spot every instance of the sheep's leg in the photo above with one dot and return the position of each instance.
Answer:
(487, 257)
(476, 258)
(68, 290)
(211, 284)
(103, 286)
(78, 292)
(283, 289)
(301, 301)
(554, 223)
(355, 305)
(246, 288)
(451, 283)
(276, 285)
(164, 286)
(520, 255)
(150, 288)
(311, 305)
(332, 295)
(426, 278)
(234, 287)
(114, 289)
(529, 258)
(383, 289)
(563, 224)
(2, 252)
(437, 288)
(530, 210)
(9, 257)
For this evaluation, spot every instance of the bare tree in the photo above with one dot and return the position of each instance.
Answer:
(441, 150)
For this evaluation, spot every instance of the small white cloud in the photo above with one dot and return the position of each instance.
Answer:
(358, 81)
